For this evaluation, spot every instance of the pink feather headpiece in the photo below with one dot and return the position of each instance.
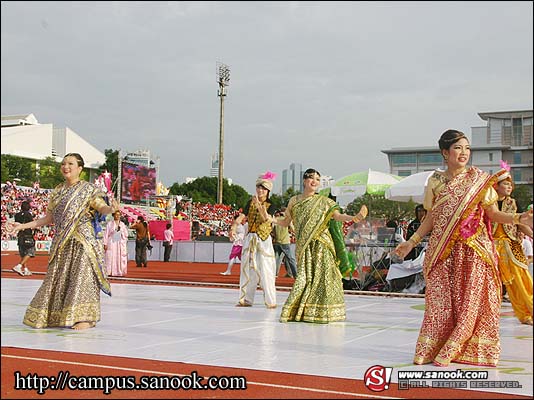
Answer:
(504, 175)
(268, 175)
(266, 180)
(504, 165)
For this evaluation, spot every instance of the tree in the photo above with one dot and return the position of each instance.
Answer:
(4, 170)
(204, 190)
(523, 196)
(112, 163)
(380, 207)
(21, 170)
(49, 173)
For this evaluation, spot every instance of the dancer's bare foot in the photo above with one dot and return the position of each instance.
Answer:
(83, 325)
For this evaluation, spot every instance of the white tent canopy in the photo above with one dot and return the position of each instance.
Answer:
(410, 188)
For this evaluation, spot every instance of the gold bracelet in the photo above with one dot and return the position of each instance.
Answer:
(516, 219)
(416, 239)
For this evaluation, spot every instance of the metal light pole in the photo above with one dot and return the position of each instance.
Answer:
(223, 78)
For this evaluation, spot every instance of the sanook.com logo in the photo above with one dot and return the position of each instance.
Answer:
(377, 378)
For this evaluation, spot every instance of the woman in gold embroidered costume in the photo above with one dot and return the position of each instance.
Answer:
(70, 293)
(463, 287)
(513, 264)
(317, 294)
(258, 264)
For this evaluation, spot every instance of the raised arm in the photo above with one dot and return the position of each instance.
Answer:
(104, 209)
(347, 218)
(500, 217)
(17, 226)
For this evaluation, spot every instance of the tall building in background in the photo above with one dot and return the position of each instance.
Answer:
(292, 178)
(214, 169)
(506, 136)
(511, 131)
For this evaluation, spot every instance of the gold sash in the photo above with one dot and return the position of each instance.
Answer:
(456, 212)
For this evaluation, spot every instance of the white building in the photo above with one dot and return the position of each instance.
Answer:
(23, 136)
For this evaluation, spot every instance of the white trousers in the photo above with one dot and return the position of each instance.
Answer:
(258, 266)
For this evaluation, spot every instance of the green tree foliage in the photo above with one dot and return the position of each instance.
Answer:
(112, 163)
(523, 196)
(204, 190)
(22, 170)
(50, 173)
(4, 169)
(380, 207)
(276, 200)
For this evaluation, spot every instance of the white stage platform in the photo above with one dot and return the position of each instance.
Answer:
(201, 325)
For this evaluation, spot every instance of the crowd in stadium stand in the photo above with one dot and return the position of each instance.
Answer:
(213, 219)
(13, 196)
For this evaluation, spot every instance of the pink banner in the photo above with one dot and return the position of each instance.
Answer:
(180, 228)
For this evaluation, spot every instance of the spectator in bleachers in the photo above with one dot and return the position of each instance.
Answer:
(13, 196)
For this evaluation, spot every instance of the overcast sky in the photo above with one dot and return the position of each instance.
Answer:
(327, 85)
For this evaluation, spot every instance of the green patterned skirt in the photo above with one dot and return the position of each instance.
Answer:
(317, 295)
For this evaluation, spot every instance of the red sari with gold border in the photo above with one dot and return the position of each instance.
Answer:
(463, 286)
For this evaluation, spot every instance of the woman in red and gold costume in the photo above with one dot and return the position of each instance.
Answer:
(463, 286)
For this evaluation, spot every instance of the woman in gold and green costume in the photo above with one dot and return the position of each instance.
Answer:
(70, 293)
(317, 294)
(463, 286)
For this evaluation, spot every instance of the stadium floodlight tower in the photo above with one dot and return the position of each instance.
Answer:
(223, 79)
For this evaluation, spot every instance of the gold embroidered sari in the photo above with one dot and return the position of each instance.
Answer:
(317, 294)
(70, 292)
(463, 287)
